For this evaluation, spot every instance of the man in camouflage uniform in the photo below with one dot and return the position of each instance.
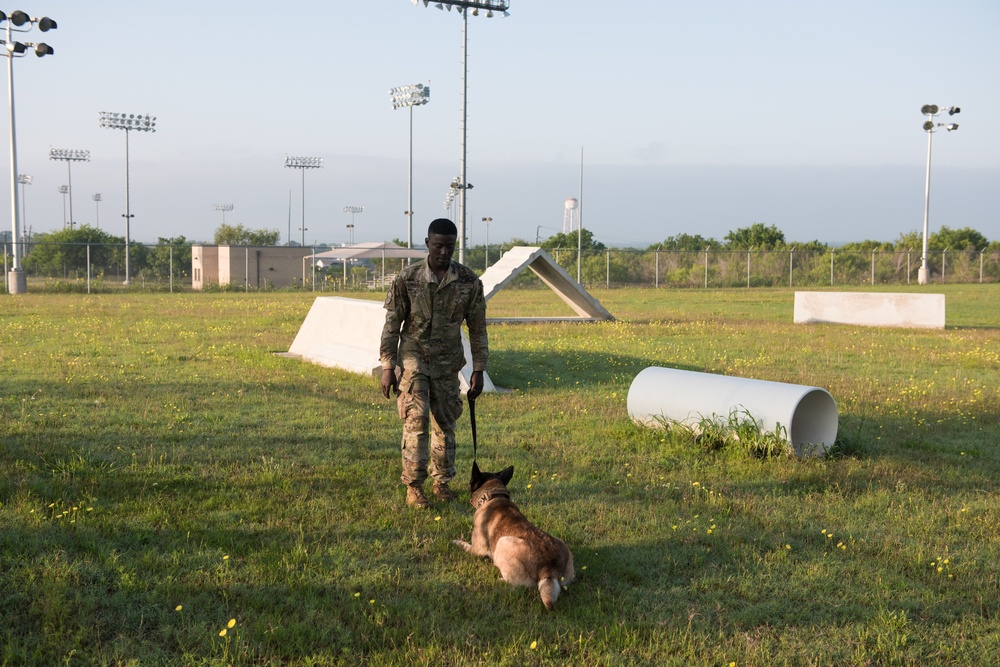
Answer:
(425, 308)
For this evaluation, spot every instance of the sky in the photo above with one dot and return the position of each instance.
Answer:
(662, 117)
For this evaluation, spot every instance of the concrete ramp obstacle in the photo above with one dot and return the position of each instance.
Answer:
(518, 259)
(344, 333)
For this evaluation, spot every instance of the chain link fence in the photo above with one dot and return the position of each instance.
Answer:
(773, 268)
(101, 267)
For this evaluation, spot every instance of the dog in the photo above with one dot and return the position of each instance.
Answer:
(524, 554)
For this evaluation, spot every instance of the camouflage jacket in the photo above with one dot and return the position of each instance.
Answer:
(423, 321)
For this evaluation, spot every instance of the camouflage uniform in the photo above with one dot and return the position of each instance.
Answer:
(423, 335)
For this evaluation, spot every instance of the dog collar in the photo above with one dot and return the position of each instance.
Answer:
(490, 495)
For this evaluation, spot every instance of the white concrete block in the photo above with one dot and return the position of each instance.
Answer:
(876, 309)
(345, 333)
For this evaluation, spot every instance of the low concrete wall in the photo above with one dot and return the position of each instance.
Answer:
(345, 333)
(917, 311)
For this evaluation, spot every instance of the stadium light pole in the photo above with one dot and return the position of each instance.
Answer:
(17, 282)
(487, 221)
(97, 197)
(410, 96)
(303, 163)
(352, 210)
(64, 190)
(69, 156)
(24, 179)
(464, 7)
(128, 122)
(930, 126)
(224, 208)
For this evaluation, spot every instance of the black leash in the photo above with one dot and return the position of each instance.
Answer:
(472, 420)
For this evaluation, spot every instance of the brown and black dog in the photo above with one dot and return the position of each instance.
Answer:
(524, 554)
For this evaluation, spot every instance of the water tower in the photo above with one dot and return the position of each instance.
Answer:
(571, 215)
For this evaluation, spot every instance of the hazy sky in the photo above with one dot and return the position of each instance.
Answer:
(692, 117)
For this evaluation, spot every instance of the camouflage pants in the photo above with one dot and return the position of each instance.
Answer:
(429, 409)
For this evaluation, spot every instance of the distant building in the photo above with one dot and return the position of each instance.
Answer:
(259, 267)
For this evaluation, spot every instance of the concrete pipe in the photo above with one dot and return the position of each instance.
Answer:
(808, 415)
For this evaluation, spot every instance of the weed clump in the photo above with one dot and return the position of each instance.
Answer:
(738, 431)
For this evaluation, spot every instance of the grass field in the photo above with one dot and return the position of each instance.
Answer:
(172, 492)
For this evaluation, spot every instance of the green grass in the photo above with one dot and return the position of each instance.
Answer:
(162, 471)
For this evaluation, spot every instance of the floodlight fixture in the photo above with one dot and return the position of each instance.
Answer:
(463, 7)
(303, 163)
(69, 154)
(19, 21)
(129, 122)
(225, 208)
(408, 97)
(930, 126)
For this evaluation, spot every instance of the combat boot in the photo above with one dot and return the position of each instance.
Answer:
(443, 493)
(415, 497)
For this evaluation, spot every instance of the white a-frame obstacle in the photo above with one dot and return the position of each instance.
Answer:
(519, 258)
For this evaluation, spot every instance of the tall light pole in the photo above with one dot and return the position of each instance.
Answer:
(410, 96)
(17, 282)
(69, 156)
(487, 221)
(24, 179)
(352, 210)
(303, 163)
(224, 208)
(127, 122)
(930, 126)
(97, 197)
(350, 235)
(463, 7)
(64, 190)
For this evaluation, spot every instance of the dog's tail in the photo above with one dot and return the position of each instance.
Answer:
(549, 589)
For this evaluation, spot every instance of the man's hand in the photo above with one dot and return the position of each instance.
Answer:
(475, 385)
(389, 381)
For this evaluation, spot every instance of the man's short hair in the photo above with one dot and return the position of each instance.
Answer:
(442, 226)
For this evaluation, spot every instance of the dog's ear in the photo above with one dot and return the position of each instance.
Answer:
(506, 474)
(477, 478)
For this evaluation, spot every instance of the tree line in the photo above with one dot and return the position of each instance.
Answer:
(63, 253)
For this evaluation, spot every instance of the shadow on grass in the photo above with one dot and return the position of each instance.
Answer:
(554, 369)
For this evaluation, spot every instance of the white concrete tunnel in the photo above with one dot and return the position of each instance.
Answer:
(808, 414)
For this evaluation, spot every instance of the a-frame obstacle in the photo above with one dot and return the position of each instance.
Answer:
(519, 258)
